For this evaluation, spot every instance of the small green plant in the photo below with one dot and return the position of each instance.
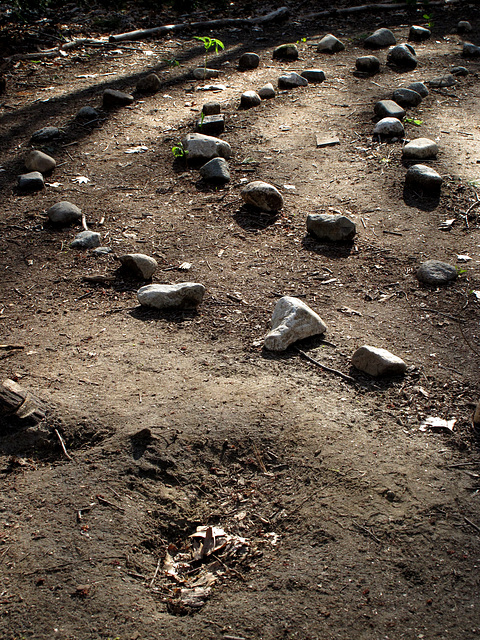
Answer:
(209, 43)
(428, 19)
(301, 40)
(172, 62)
(414, 121)
(202, 118)
(178, 151)
(460, 271)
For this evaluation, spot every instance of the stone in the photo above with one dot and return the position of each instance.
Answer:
(201, 147)
(39, 161)
(216, 170)
(419, 34)
(292, 320)
(379, 39)
(330, 44)
(402, 56)
(423, 178)
(101, 251)
(407, 97)
(211, 125)
(286, 52)
(436, 272)
(32, 181)
(440, 82)
(113, 99)
(45, 134)
(326, 226)
(464, 26)
(262, 195)
(205, 74)
(389, 128)
(249, 99)
(291, 80)
(420, 149)
(313, 75)
(184, 295)
(420, 88)
(87, 113)
(368, 64)
(211, 108)
(459, 71)
(389, 109)
(470, 50)
(248, 61)
(139, 264)
(86, 240)
(267, 92)
(149, 84)
(64, 213)
(378, 362)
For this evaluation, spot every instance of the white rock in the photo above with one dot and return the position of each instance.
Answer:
(292, 320)
(39, 161)
(377, 362)
(389, 128)
(291, 80)
(202, 147)
(184, 295)
(139, 264)
(262, 195)
(420, 149)
(330, 44)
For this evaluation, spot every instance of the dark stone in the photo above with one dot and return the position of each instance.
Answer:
(113, 99)
(368, 64)
(211, 125)
(248, 61)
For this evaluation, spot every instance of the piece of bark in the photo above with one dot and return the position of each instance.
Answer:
(15, 400)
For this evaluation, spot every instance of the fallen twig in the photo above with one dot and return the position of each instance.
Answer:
(152, 581)
(62, 444)
(107, 503)
(323, 366)
(237, 573)
(367, 531)
(12, 346)
(472, 524)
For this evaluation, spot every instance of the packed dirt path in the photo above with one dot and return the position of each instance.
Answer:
(357, 522)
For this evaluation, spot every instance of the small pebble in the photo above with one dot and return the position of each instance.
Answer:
(420, 88)
(389, 109)
(419, 34)
(291, 80)
(330, 44)
(86, 240)
(267, 92)
(211, 108)
(379, 39)
(313, 75)
(32, 181)
(368, 64)
(286, 52)
(216, 170)
(403, 57)
(249, 99)
(248, 61)
(407, 98)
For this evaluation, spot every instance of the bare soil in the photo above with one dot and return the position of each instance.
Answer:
(358, 523)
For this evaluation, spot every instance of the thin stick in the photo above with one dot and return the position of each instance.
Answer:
(472, 524)
(62, 444)
(237, 573)
(324, 367)
(372, 535)
(12, 346)
(84, 222)
(152, 581)
(109, 504)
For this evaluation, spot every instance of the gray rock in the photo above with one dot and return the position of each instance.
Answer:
(113, 99)
(45, 134)
(267, 92)
(313, 75)
(378, 362)
(101, 251)
(330, 44)
(389, 128)
(464, 26)
(64, 213)
(292, 320)
(420, 149)
(149, 84)
(140, 265)
(201, 147)
(402, 56)
(368, 64)
(248, 61)
(184, 295)
(250, 99)
(326, 226)
(389, 109)
(262, 195)
(211, 108)
(205, 74)
(379, 39)
(291, 80)
(87, 113)
(211, 125)
(440, 82)
(459, 71)
(286, 52)
(407, 97)
(420, 88)
(470, 50)
(39, 161)
(32, 181)
(216, 170)
(419, 34)
(435, 273)
(423, 178)
(86, 240)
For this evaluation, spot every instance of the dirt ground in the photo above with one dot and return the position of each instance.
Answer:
(357, 523)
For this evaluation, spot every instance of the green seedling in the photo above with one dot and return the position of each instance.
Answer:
(460, 271)
(202, 118)
(179, 152)
(209, 43)
(428, 19)
(171, 62)
(414, 121)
